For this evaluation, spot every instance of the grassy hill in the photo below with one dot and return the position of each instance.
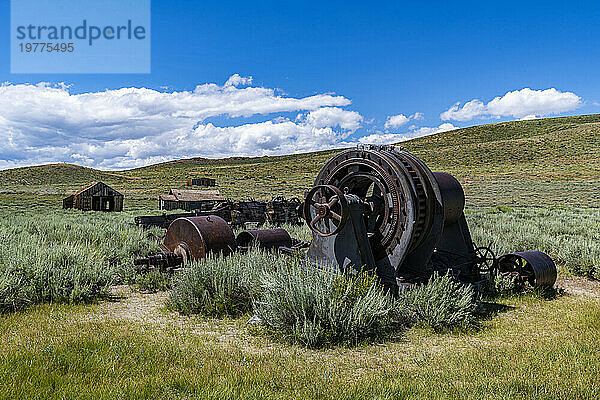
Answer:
(547, 161)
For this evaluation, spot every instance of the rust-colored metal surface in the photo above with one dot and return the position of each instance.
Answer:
(265, 238)
(284, 211)
(193, 238)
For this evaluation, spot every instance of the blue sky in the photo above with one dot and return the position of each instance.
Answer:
(347, 68)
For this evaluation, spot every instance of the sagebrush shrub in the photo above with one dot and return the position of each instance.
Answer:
(35, 272)
(220, 286)
(317, 307)
(499, 284)
(152, 281)
(64, 256)
(442, 303)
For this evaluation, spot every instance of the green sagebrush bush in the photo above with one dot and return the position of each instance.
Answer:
(499, 285)
(318, 307)
(64, 256)
(219, 286)
(442, 303)
(151, 281)
(35, 272)
(312, 306)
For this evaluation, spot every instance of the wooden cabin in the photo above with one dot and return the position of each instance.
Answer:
(96, 196)
(201, 182)
(190, 199)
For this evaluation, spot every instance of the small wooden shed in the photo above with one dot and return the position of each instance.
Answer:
(201, 182)
(96, 196)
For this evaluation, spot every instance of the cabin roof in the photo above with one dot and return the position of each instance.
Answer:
(167, 197)
(92, 185)
(195, 195)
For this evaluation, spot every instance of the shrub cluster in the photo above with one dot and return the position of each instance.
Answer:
(34, 271)
(442, 303)
(220, 286)
(502, 285)
(316, 307)
(64, 256)
(151, 281)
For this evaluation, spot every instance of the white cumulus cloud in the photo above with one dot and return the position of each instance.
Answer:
(389, 138)
(425, 130)
(524, 103)
(132, 127)
(334, 116)
(396, 121)
(237, 80)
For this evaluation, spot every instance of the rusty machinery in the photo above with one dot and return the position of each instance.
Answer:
(373, 207)
(193, 238)
(278, 211)
(381, 208)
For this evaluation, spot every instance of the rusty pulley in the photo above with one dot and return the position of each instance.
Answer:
(533, 267)
(264, 238)
(194, 237)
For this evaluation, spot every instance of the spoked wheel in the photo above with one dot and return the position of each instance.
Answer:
(520, 269)
(485, 259)
(326, 210)
(533, 267)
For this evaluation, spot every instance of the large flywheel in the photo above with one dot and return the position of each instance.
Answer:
(401, 196)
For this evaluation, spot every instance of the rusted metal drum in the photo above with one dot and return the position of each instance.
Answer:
(265, 238)
(194, 237)
(534, 267)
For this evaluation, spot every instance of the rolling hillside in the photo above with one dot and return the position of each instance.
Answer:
(552, 161)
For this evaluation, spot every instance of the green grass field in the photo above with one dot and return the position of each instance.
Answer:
(75, 335)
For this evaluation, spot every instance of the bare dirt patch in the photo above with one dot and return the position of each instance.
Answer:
(579, 286)
(128, 305)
